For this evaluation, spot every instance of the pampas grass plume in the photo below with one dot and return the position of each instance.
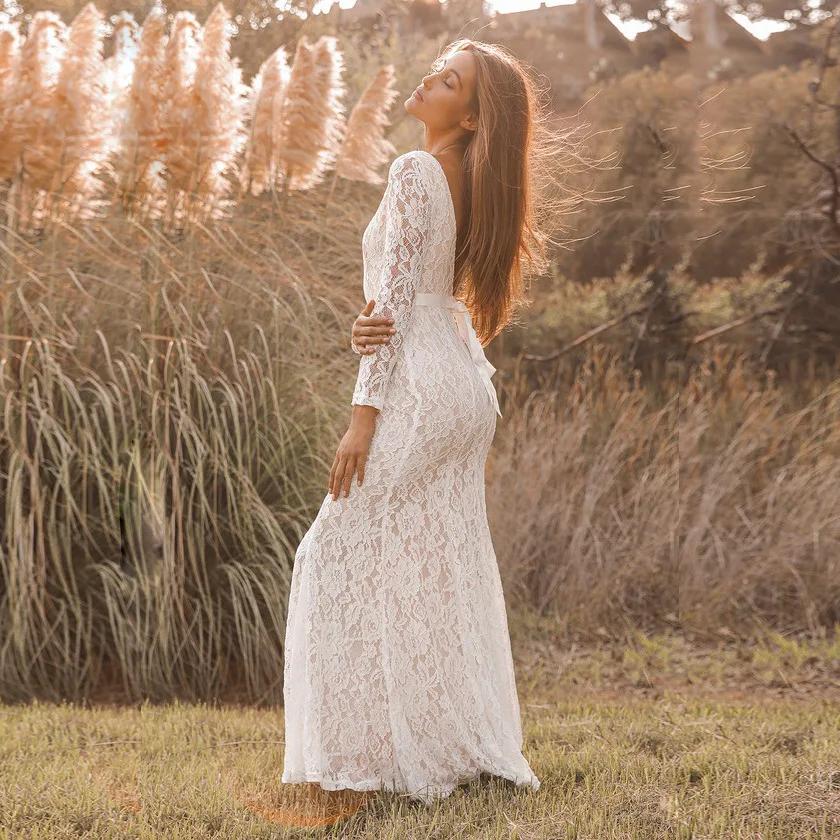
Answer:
(329, 69)
(203, 118)
(82, 118)
(28, 152)
(313, 118)
(302, 121)
(139, 161)
(265, 113)
(10, 43)
(180, 62)
(218, 112)
(365, 149)
(119, 69)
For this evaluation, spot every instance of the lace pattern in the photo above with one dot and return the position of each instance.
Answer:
(407, 211)
(398, 669)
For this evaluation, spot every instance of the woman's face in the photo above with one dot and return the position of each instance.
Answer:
(442, 100)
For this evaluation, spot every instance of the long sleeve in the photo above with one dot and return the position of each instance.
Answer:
(407, 223)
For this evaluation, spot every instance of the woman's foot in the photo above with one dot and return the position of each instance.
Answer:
(308, 805)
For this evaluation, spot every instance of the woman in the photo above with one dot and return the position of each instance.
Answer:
(398, 669)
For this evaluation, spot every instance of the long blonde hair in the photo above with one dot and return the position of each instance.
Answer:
(503, 239)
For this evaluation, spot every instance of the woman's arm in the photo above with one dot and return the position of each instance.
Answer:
(407, 223)
(368, 331)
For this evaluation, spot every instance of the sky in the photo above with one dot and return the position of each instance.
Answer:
(762, 29)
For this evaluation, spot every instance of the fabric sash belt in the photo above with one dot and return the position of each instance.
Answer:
(468, 335)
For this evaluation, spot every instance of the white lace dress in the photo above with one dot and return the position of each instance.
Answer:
(398, 668)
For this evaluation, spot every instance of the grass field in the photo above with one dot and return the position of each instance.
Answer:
(649, 738)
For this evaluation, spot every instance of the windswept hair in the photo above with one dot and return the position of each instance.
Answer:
(509, 180)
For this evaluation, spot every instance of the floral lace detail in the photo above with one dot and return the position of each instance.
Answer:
(408, 226)
(398, 669)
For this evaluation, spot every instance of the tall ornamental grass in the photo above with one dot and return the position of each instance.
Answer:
(167, 415)
(704, 503)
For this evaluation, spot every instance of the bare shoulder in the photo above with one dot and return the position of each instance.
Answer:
(453, 169)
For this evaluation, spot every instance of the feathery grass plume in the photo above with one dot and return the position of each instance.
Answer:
(205, 125)
(265, 113)
(303, 122)
(314, 115)
(329, 66)
(10, 43)
(139, 163)
(28, 152)
(365, 149)
(180, 62)
(217, 116)
(82, 118)
(118, 69)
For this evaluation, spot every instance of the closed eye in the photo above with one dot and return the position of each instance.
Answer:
(437, 67)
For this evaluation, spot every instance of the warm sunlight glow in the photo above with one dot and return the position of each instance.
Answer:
(761, 29)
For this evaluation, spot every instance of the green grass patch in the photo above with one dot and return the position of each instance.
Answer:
(673, 754)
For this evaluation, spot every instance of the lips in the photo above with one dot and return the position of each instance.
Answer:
(418, 94)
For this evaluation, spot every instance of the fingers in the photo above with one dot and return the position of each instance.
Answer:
(365, 336)
(335, 485)
(332, 472)
(372, 335)
(364, 329)
(369, 307)
(367, 331)
(348, 476)
(369, 320)
(364, 347)
(341, 474)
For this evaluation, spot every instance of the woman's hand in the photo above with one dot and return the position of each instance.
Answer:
(353, 450)
(369, 331)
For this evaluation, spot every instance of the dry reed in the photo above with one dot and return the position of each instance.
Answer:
(140, 161)
(265, 111)
(169, 424)
(364, 150)
(705, 507)
(161, 125)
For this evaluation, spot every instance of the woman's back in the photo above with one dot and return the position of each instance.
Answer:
(409, 265)
(419, 177)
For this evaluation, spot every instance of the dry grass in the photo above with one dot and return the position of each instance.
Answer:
(701, 506)
(615, 758)
(770, 666)
(169, 132)
(187, 389)
(171, 407)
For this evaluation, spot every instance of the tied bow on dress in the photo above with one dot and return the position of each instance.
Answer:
(468, 336)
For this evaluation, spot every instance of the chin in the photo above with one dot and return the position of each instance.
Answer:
(411, 107)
